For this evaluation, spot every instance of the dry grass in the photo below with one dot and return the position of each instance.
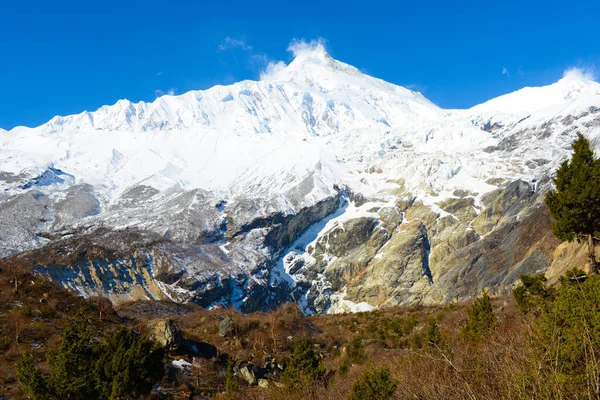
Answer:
(503, 365)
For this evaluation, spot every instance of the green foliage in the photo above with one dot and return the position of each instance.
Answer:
(575, 204)
(5, 344)
(355, 350)
(48, 312)
(480, 317)
(433, 336)
(72, 362)
(531, 291)
(569, 331)
(304, 366)
(32, 381)
(375, 383)
(573, 276)
(231, 386)
(125, 365)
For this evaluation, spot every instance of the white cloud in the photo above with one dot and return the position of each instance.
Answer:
(159, 73)
(585, 73)
(299, 47)
(505, 72)
(231, 43)
(170, 92)
(273, 67)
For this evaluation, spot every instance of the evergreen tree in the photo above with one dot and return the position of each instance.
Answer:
(375, 384)
(32, 381)
(127, 365)
(72, 362)
(304, 365)
(480, 317)
(575, 203)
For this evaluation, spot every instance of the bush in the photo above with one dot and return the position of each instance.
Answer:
(125, 365)
(374, 384)
(480, 317)
(430, 337)
(355, 350)
(32, 381)
(231, 386)
(531, 291)
(48, 312)
(570, 330)
(303, 367)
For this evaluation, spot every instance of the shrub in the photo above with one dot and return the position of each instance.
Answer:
(48, 312)
(355, 350)
(375, 383)
(125, 365)
(303, 366)
(480, 317)
(570, 330)
(231, 385)
(431, 335)
(32, 381)
(531, 291)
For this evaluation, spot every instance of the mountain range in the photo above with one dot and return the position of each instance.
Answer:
(317, 184)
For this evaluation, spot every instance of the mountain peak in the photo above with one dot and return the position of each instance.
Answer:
(311, 61)
(310, 51)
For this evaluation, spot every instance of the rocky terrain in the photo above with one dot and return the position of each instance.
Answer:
(318, 185)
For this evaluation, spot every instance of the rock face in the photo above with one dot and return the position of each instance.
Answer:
(318, 185)
(400, 275)
(167, 333)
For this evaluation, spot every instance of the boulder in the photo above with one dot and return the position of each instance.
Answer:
(247, 373)
(263, 383)
(226, 327)
(167, 333)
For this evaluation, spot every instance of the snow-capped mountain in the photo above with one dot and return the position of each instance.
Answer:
(317, 184)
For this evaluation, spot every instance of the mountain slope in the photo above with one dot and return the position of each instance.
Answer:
(317, 184)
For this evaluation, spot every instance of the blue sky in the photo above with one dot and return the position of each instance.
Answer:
(63, 57)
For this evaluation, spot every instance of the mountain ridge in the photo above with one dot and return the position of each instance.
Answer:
(292, 188)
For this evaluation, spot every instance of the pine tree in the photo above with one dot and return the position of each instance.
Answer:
(124, 365)
(32, 381)
(72, 362)
(376, 383)
(480, 317)
(127, 365)
(575, 203)
(304, 364)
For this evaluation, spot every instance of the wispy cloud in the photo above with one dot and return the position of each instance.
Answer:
(300, 46)
(587, 72)
(231, 43)
(271, 70)
(159, 73)
(520, 71)
(505, 72)
(170, 92)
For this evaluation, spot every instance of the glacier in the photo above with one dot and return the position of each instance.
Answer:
(235, 195)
